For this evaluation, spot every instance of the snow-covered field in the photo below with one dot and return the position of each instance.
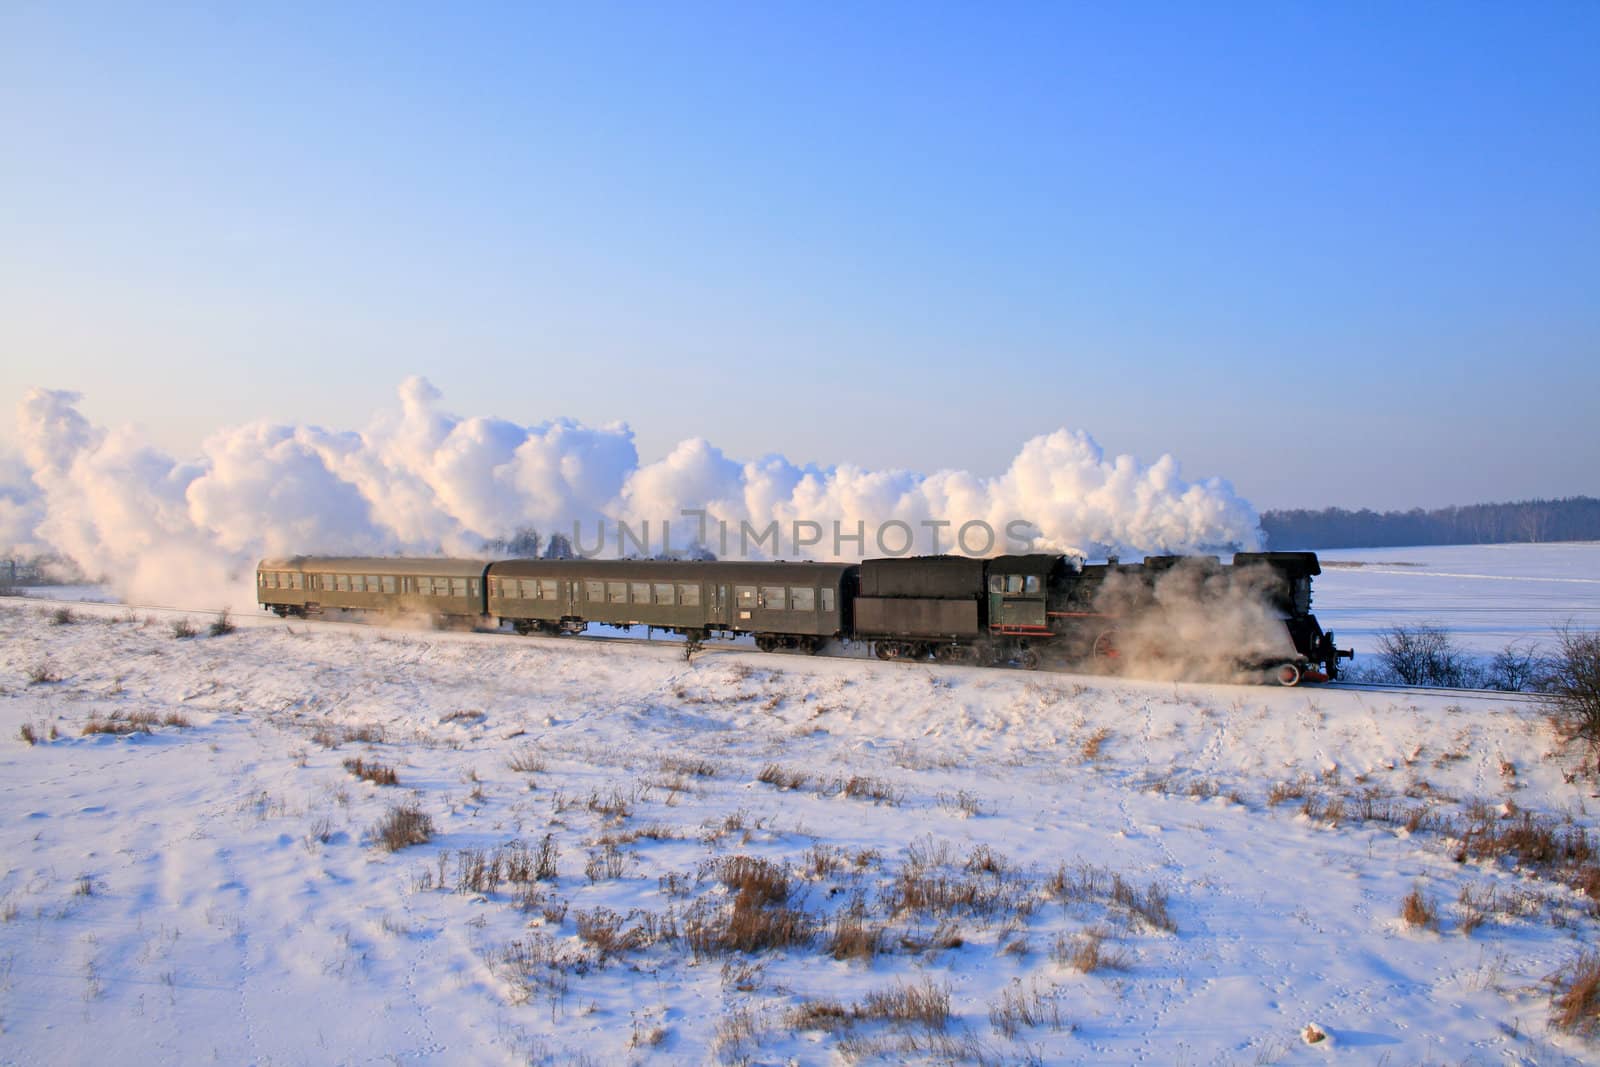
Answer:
(1088, 870)
(1487, 596)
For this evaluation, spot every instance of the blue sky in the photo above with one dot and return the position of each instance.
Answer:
(1339, 254)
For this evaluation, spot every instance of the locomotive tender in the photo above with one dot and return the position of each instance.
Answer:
(956, 609)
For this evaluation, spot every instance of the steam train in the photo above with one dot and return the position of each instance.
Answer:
(1016, 609)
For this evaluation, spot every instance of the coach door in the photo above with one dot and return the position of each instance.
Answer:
(718, 615)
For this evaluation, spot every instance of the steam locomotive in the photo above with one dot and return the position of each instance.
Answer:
(1253, 614)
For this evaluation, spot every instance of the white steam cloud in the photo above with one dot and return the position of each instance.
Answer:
(420, 481)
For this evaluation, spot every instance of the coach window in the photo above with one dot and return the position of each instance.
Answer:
(803, 599)
(664, 594)
(746, 595)
(639, 592)
(1031, 584)
(617, 592)
(774, 597)
(689, 596)
(473, 587)
(389, 584)
(296, 580)
(341, 583)
(827, 599)
(458, 586)
(373, 584)
(595, 592)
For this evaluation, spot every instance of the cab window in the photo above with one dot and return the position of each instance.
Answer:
(1031, 584)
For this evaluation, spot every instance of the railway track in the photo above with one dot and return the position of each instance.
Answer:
(833, 651)
(1433, 691)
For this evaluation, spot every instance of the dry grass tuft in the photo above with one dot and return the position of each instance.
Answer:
(183, 627)
(607, 863)
(402, 826)
(1094, 743)
(962, 802)
(757, 918)
(875, 789)
(691, 767)
(1086, 952)
(1418, 910)
(1017, 1008)
(922, 1004)
(852, 937)
(373, 771)
(62, 617)
(43, 673)
(221, 626)
(27, 734)
(117, 725)
(1576, 999)
(526, 760)
(783, 777)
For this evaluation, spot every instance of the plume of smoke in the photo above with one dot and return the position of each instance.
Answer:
(1196, 621)
(419, 480)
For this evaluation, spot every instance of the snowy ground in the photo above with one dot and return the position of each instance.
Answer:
(213, 892)
(1486, 595)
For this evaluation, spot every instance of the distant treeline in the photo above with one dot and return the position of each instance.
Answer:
(1569, 519)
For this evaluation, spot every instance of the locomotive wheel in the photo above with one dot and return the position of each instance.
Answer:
(1286, 674)
(1105, 646)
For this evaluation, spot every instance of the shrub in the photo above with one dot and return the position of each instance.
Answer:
(26, 733)
(403, 826)
(43, 673)
(1573, 685)
(182, 628)
(62, 617)
(221, 625)
(1423, 655)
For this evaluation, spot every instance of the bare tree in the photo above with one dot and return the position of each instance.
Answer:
(1516, 668)
(1573, 685)
(1423, 655)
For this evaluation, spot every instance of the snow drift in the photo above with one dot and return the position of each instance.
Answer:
(419, 480)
